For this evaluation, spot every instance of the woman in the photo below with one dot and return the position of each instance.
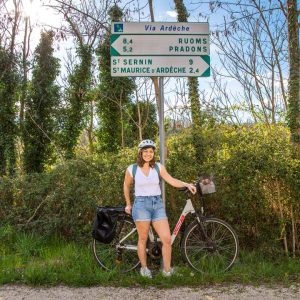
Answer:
(148, 206)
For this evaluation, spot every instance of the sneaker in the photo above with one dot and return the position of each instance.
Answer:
(168, 274)
(145, 272)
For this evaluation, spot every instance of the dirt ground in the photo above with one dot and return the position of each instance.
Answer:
(236, 292)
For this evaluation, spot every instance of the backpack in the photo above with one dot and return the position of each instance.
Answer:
(105, 224)
(134, 169)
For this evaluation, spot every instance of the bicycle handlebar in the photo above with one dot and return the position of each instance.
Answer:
(198, 182)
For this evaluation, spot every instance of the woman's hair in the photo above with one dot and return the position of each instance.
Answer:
(140, 162)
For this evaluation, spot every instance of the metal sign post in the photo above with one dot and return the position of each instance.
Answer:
(162, 132)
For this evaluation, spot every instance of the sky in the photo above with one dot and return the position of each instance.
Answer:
(164, 11)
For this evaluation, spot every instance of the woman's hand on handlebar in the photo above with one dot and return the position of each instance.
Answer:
(191, 188)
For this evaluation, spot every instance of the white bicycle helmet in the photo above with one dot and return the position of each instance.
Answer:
(146, 143)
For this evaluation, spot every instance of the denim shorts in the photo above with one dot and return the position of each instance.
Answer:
(148, 208)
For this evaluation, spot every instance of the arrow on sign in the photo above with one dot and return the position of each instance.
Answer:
(168, 66)
(177, 45)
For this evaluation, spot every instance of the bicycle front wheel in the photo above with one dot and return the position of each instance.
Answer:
(121, 253)
(210, 248)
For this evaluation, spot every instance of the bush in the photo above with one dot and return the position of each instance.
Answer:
(257, 179)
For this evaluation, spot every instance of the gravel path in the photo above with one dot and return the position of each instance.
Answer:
(236, 292)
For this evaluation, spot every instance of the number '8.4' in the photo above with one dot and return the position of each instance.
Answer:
(127, 42)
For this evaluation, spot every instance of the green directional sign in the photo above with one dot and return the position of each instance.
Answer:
(196, 66)
(160, 49)
(188, 45)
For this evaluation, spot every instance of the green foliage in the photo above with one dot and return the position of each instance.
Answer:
(8, 128)
(293, 115)
(41, 107)
(257, 180)
(197, 119)
(114, 98)
(77, 99)
(64, 201)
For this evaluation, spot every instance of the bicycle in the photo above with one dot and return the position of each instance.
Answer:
(208, 245)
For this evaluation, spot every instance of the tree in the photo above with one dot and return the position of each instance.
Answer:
(114, 97)
(144, 110)
(8, 128)
(182, 16)
(25, 70)
(251, 44)
(40, 108)
(294, 71)
(85, 22)
(9, 80)
(77, 97)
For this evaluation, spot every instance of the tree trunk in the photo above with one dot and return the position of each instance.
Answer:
(25, 52)
(192, 81)
(193, 92)
(122, 121)
(91, 127)
(294, 76)
(293, 231)
(140, 125)
(154, 79)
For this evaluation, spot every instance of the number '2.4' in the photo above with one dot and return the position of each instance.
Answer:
(192, 70)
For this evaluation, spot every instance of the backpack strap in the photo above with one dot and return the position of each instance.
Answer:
(134, 169)
(157, 169)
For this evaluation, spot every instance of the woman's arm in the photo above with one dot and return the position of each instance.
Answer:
(175, 182)
(126, 187)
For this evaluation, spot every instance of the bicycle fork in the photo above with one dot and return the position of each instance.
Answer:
(211, 246)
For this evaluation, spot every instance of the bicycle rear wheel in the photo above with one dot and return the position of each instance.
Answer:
(213, 254)
(119, 255)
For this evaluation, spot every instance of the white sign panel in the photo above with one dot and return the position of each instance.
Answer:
(159, 28)
(188, 45)
(166, 66)
(160, 49)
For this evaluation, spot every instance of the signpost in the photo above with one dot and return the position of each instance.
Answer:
(160, 49)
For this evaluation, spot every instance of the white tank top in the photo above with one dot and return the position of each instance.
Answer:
(146, 185)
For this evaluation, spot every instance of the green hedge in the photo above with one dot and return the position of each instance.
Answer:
(258, 187)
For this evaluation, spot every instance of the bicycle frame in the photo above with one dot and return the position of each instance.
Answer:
(207, 243)
(188, 208)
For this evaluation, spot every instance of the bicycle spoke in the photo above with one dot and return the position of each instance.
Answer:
(214, 254)
(112, 257)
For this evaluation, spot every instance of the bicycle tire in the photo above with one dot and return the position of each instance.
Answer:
(110, 257)
(215, 254)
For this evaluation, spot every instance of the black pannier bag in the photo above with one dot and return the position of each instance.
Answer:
(105, 223)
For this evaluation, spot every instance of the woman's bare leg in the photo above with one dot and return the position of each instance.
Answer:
(163, 230)
(143, 231)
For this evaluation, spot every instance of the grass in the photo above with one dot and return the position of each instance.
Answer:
(36, 260)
